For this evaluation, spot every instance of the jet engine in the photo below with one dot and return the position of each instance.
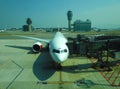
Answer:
(37, 47)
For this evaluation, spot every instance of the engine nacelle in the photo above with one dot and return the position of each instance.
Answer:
(37, 47)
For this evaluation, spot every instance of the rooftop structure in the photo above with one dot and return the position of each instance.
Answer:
(79, 25)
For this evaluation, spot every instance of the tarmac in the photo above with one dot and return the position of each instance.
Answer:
(20, 68)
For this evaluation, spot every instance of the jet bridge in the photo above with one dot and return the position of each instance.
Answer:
(91, 46)
(100, 49)
(77, 46)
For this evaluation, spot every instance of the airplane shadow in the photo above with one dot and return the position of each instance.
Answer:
(80, 68)
(85, 68)
(21, 47)
(42, 67)
(27, 48)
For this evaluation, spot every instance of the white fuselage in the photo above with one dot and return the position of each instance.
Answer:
(58, 49)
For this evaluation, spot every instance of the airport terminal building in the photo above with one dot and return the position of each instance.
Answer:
(79, 25)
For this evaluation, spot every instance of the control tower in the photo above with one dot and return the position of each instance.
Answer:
(69, 16)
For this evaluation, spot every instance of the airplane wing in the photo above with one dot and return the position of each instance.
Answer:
(34, 38)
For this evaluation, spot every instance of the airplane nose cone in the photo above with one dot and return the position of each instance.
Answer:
(61, 58)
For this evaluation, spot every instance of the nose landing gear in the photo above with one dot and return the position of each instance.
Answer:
(57, 66)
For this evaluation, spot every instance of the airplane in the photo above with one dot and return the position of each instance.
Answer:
(58, 48)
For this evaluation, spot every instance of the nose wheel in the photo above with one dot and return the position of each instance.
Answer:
(57, 66)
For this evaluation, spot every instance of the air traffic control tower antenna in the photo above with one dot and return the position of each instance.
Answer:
(69, 16)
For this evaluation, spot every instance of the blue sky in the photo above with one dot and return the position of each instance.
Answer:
(52, 13)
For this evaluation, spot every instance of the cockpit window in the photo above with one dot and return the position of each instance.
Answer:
(59, 51)
(64, 51)
(56, 51)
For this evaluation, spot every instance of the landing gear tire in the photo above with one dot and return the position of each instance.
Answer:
(57, 66)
